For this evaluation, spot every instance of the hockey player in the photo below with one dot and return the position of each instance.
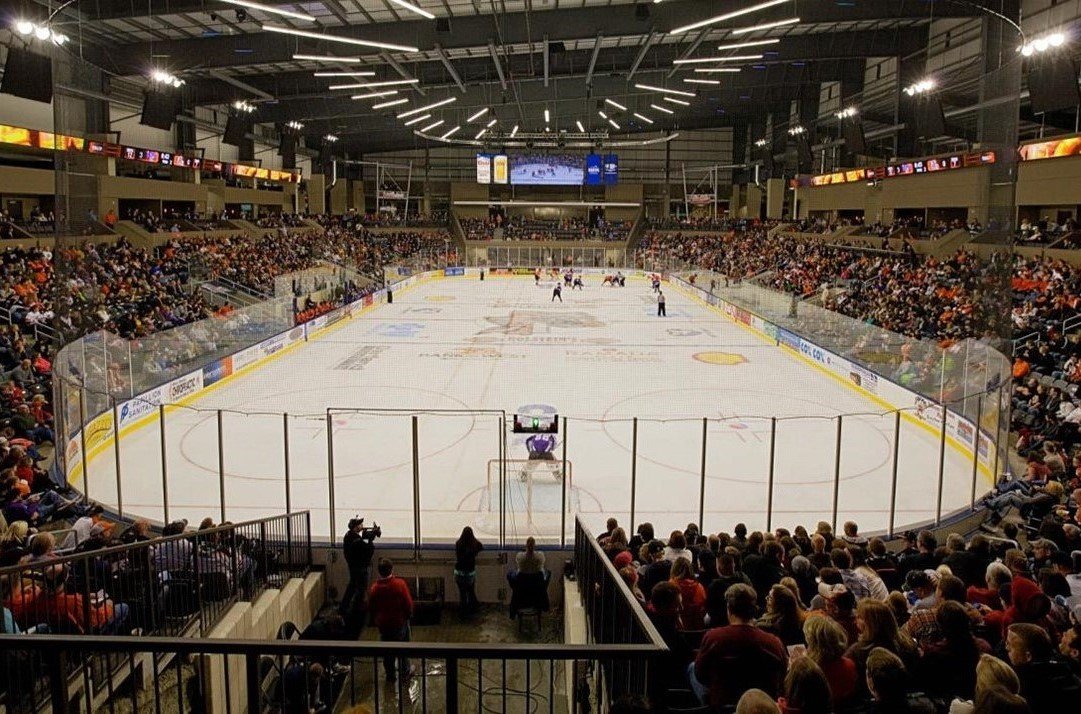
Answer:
(578, 282)
(557, 292)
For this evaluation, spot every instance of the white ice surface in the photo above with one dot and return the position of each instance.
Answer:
(600, 358)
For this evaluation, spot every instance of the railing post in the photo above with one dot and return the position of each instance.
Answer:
(837, 472)
(82, 444)
(634, 467)
(893, 469)
(976, 449)
(164, 465)
(330, 474)
(452, 685)
(58, 680)
(416, 489)
(116, 459)
(221, 466)
(702, 481)
(563, 492)
(285, 441)
(941, 469)
(251, 676)
(769, 480)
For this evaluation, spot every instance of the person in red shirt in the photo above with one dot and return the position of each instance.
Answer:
(739, 656)
(391, 606)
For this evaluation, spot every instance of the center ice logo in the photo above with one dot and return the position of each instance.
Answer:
(529, 322)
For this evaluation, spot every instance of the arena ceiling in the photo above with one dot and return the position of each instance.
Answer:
(517, 58)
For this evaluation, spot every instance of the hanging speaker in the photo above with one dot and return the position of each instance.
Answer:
(235, 129)
(803, 149)
(160, 109)
(28, 75)
(1052, 84)
(287, 149)
(930, 121)
(852, 132)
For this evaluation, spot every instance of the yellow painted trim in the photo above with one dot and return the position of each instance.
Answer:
(873, 398)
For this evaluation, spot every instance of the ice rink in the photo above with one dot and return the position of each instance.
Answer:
(450, 346)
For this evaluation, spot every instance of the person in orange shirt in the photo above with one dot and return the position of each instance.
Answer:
(1021, 368)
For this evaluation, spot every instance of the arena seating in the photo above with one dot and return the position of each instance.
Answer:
(532, 229)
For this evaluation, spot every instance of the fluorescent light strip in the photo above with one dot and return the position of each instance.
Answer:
(546, 117)
(476, 116)
(731, 58)
(615, 104)
(273, 10)
(603, 115)
(451, 132)
(391, 103)
(644, 118)
(580, 127)
(327, 58)
(373, 85)
(432, 126)
(613, 123)
(480, 133)
(765, 26)
(662, 90)
(749, 43)
(418, 110)
(717, 70)
(418, 120)
(677, 101)
(375, 95)
(337, 38)
(413, 8)
(666, 110)
(514, 131)
(726, 16)
(370, 73)
(490, 124)
(702, 81)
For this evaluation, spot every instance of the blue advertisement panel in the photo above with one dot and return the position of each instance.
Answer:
(454, 272)
(594, 169)
(611, 169)
(788, 339)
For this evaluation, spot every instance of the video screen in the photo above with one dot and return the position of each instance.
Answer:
(547, 169)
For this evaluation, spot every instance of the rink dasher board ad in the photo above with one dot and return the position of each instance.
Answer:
(883, 392)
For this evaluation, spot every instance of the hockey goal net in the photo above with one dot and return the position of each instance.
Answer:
(534, 486)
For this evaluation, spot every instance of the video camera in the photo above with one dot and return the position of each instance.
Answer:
(368, 534)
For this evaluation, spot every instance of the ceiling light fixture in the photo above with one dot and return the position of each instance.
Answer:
(413, 8)
(847, 112)
(677, 101)
(490, 124)
(644, 118)
(338, 38)
(294, 125)
(391, 103)
(921, 87)
(616, 104)
(702, 81)
(666, 110)
(727, 16)
(267, 8)
(603, 115)
(578, 123)
(418, 120)
(327, 58)
(765, 26)
(547, 118)
(761, 143)
(663, 90)
(358, 73)
(749, 43)
(1043, 44)
(476, 115)
(372, 85)
(243, 106)
(514, 131)
(418, 110)
(450, 133)
(797, 130)
(166, 78)
(731, 58)
(432, 126)
(716, 70)
(613, 123)
(330, 138)
(481, 133)
(375, 95)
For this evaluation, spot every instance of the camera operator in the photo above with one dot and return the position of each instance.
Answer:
(358, 545)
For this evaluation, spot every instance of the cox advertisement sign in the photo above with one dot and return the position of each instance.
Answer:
(185, 386)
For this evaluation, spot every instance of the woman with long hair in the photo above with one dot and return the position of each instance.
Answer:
(878, 628)
(783, 616)
(992, 675)
(616, 543)
(466, 550)
(806, 690)
(826, 644)
(949, 663)
(692, 592)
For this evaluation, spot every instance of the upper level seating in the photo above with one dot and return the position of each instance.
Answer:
(533, 229)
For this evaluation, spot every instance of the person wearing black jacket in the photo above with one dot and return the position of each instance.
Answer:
(1046, 683)
(359, 548)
